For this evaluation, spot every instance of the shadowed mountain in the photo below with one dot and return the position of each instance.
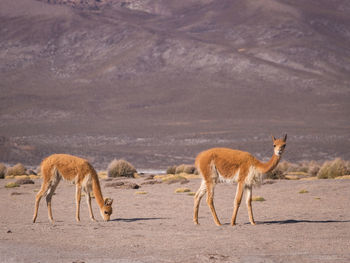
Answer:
(156, 81)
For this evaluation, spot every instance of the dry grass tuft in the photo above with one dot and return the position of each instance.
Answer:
(11, 185)
(191, 193)
(303, 191)
(121, 168)
(102, 174)
(343, 177)
(17, 169)
(182, 190)
(3, 169)
(171, 169)
(170, 177)
(141, 193)
(258, 198)
(333, 169)
(185, 168)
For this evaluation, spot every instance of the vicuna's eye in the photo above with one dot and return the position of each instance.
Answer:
(274, 145)
(106, 212)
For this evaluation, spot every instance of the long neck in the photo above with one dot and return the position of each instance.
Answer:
(270, 165)
(96, 188)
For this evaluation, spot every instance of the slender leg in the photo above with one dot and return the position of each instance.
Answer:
(237, 202)
(77, 200)
(197, 199)
(88, 200)
(210, 202)
(249, 205)
(43, 190)
(51, 191)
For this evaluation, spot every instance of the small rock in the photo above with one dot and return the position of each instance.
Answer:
(16, 193)
(24, 181)
(123, 185)
(9, 231)
(152, 182)
(30, 172)
(150, 177)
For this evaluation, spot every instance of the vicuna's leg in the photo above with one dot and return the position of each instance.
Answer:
(51, 191)
(77, 200)
(237, 202)
(210, 202)
(197, 199)
(39, 195)
(249, 204)
(88, 200)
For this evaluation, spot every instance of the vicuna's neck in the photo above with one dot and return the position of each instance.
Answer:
(270, 165)
(96, 188)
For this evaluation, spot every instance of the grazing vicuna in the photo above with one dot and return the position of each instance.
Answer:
(227, 165)
(76, 170)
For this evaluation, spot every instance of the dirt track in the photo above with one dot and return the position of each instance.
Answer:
(157, 227)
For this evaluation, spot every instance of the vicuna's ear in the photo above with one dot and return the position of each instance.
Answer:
(108, 201)
(285, 138)
(273, 138)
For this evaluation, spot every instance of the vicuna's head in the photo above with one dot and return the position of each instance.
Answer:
(106, 210)
(279, 145)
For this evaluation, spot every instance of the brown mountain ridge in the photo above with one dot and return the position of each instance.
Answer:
(156, 82)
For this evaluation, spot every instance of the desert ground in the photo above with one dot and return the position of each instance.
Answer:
(157, 226)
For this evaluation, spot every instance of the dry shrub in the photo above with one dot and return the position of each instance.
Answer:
(258, 199)
(332, 169)
(118, 168)
(18, 169)
(11, 185)
(185, 168)
(182, 190)
(279, 172)
(140, 193)
(171, 169)
(2, 170)
(313, 168)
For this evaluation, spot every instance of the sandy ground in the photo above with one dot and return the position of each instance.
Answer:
(157, 226)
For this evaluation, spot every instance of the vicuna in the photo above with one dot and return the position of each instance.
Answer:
(73, 169)
(227, 165)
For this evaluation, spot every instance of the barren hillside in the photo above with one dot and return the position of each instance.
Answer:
(157, 81)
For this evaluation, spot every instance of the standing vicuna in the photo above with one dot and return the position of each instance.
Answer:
(76, 170)
(227, 165)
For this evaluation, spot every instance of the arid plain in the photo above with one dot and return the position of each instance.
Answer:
(157, 226)
(156, 82)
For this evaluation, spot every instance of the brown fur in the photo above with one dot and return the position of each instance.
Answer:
(219, 164)
(73, 169)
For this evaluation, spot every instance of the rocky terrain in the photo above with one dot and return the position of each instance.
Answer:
(156, 81)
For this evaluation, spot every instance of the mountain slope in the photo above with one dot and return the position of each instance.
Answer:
(157, 81)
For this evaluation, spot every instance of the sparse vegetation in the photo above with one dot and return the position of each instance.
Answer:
(185, 168)
(2, 170)
(258, 198)
(295, 171)
(11, 185)
(121, 168)
(182, 190)
(182, 168)
(141, 193)
(303, 191)
(333, 169)
(17, 169)
(191, 193)
(171, 169)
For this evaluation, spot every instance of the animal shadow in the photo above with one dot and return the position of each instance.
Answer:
(130, 220)
(293, 221)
